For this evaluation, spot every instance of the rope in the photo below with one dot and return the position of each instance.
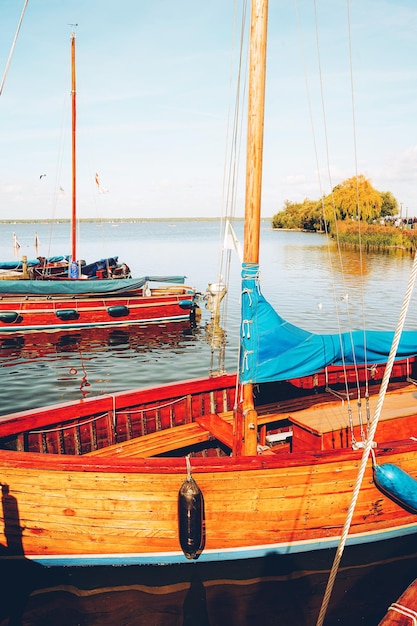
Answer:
(369, 441)
(62, 428)
(188, 465)
(158, 406)
(404, 610)
(230, 180)
(13, 47)
(93, 419)
(323, 208)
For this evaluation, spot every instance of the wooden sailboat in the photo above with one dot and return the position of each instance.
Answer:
(258, 464)
(61, 292)
(403, 612)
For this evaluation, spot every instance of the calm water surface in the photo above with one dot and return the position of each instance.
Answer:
(303, 279)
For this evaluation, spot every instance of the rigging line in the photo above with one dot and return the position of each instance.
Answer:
(309, 106)
(334, 214)
(355, 150)
(229, 203)
(323, 208)
(9, 60)
(58, 191)
(332, 204)
(369, 441)
(237, 147)
(358, 387)
(230, 176)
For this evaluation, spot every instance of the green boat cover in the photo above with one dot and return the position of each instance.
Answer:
(81, 286)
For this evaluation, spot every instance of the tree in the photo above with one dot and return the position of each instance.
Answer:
(356, 199)
(389, 204)
(353, 199)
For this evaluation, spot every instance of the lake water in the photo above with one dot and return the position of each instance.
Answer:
(303, 280)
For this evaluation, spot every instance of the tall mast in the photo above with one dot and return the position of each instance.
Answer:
(74, 153)
(255, 131)
(246, 419)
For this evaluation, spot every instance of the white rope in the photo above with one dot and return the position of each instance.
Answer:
(94, 419)
(13, 47)
(369, 441)
(404, 610)
(62, 428)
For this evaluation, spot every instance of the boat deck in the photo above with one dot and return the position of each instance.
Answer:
(328, 417)
(157, 443)
(326, 426)
(323, 426)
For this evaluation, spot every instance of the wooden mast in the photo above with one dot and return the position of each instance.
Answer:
(74, 153)
(255, 131)
(246, 424)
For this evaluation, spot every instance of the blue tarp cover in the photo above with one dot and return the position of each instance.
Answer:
(273, 349)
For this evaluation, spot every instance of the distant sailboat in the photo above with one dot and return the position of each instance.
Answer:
(16, 243)
(37, 243)
(62, 292)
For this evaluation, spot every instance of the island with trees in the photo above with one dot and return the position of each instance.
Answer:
(354, 212)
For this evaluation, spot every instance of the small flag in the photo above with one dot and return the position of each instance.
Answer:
(231, 242)
(100, 188)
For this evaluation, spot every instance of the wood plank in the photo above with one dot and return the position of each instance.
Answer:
(263, 417)
(329, 417)
(157, 443)
(220, 428)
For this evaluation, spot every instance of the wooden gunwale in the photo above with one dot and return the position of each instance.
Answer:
(181, 430)
(166, 465)
(129, 400)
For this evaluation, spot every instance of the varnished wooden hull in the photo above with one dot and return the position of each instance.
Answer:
(21, 314)
(125, 512)
(404, 610)
(72, 494)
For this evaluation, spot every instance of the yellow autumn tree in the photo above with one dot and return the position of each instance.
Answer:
(356, 199)
(352, 200)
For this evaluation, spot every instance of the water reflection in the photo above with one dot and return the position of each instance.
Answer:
(50, 367)
(272, 590)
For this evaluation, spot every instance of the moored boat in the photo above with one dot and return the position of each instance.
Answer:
(263, 463)
(63, 292)
(403, 612)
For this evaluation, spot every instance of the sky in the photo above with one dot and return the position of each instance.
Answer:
(156, 81)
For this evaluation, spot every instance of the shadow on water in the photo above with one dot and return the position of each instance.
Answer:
(242, 594)
(276, 589)
(19, 576)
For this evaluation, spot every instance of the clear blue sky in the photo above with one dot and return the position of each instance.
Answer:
(153, 95)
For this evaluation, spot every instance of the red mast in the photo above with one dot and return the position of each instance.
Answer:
(74, 162)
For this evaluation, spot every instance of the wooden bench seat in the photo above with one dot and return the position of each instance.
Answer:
(328, 417)
(157, 443)
(220, 427)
